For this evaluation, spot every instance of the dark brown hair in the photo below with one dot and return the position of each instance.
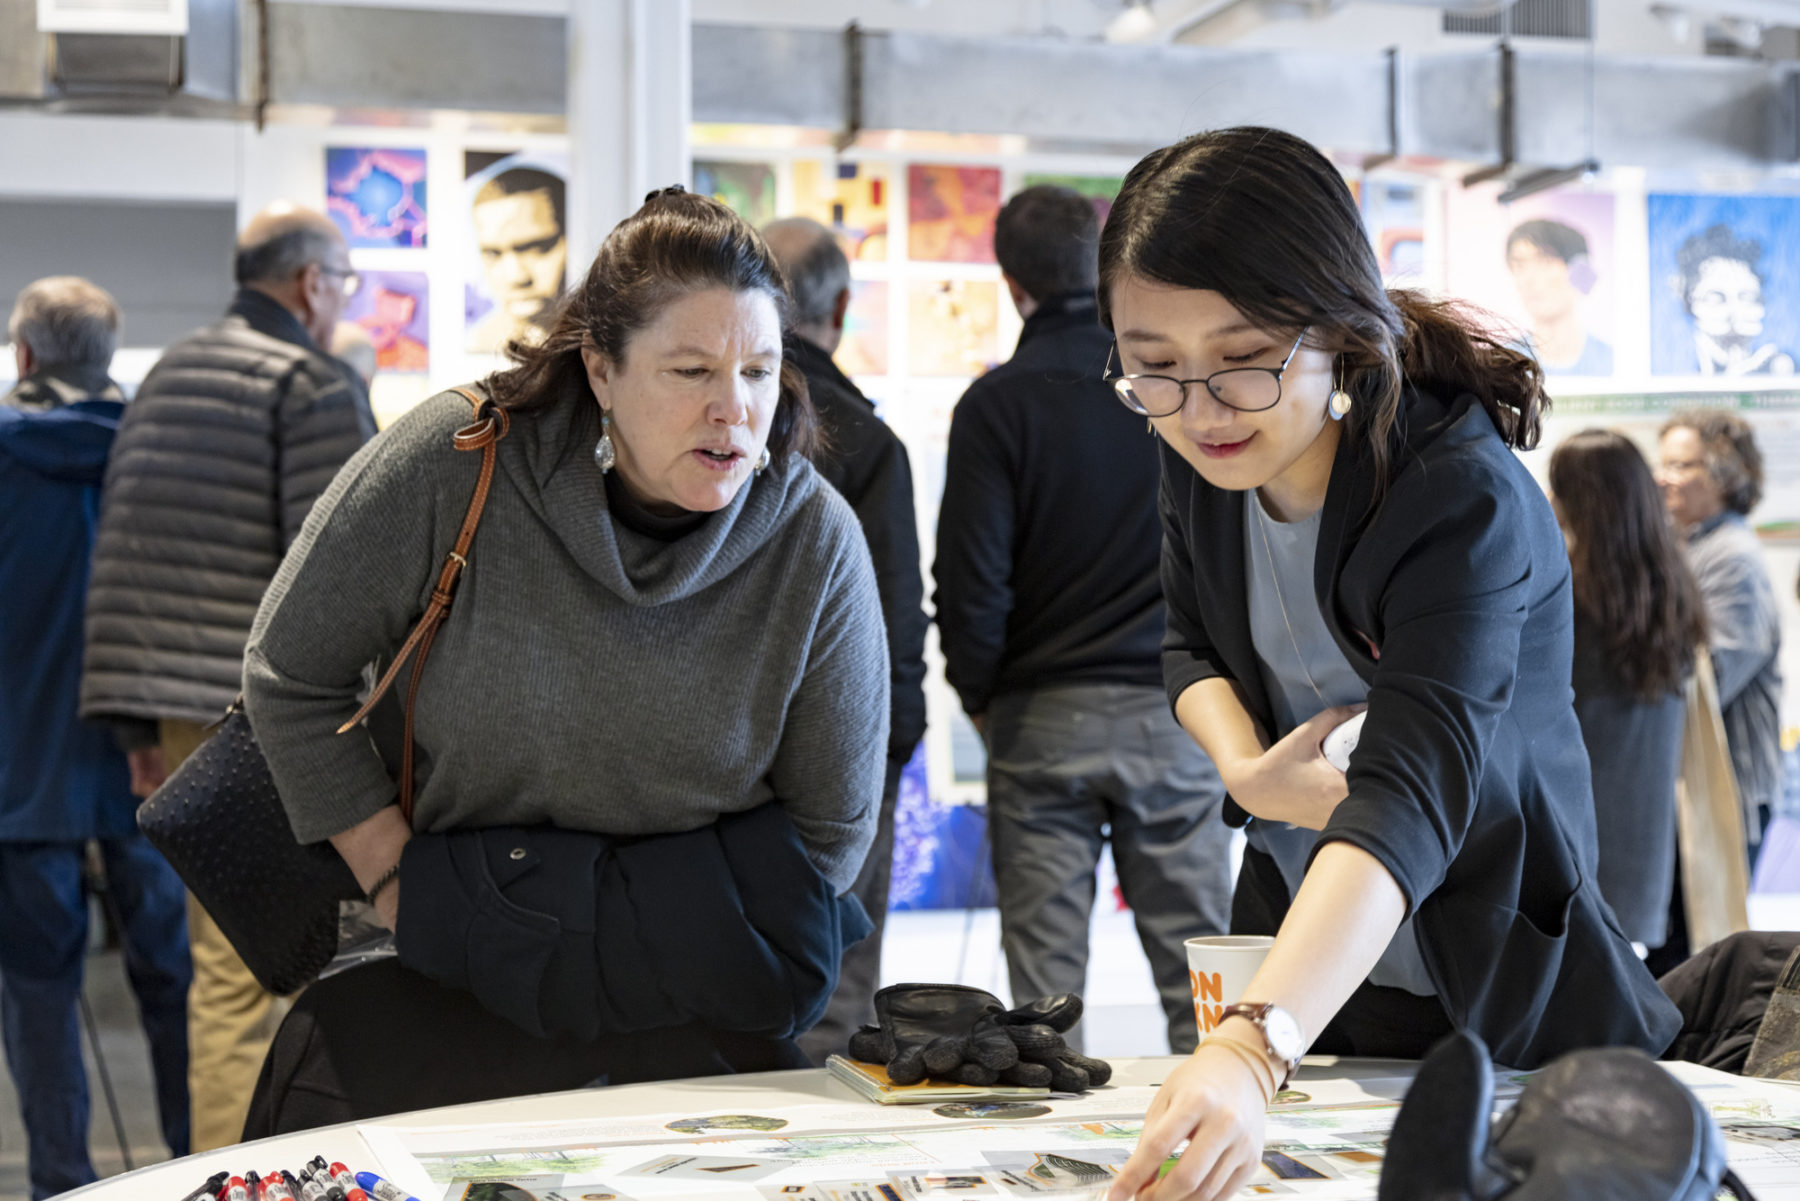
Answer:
(1264, 219)
(1632, 582)
(678, 243)
(1733, 459)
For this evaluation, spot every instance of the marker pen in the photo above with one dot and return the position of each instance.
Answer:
(235, 1190)
(305, 1187)
(209, 1190)
(324, 1181)
(347, 1182)
(276, 1189)
(382, 1190)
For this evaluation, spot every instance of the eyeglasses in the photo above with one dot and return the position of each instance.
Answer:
(1246, 389)
(351, 277)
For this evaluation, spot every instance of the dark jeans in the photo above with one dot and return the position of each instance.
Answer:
(853, 1004)
(43, 944)
(382, 1039)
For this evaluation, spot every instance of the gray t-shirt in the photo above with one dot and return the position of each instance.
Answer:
(1297, 654)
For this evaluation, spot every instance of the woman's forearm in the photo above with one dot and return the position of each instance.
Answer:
(1341, 921)
(370, 848)
(1215, 716)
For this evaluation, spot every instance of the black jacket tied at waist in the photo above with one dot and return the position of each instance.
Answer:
(563, 932)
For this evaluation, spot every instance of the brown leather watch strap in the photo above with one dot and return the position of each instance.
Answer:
(490, 425)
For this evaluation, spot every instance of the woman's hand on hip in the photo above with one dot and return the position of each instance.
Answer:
(1216, 1103)
(370, 848)
(1291, 781)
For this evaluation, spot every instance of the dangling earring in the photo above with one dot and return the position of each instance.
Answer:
(604, 454)
(1340, 402)
(762, 461)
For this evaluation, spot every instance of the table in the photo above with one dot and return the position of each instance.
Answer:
(765, 1091)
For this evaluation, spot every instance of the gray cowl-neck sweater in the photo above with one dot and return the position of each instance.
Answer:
(588, 676)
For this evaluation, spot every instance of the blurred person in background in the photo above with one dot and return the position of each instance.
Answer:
(1639, 622)
(64, 782)
(351, 346)
(1711, 474)
(231, 437)
(865, 461)
(1051, 615)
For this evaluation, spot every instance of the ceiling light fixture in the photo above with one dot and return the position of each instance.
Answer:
(1543, 181)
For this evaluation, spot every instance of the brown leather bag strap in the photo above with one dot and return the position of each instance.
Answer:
(484, 435)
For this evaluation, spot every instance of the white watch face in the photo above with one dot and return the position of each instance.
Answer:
(1283, 1034)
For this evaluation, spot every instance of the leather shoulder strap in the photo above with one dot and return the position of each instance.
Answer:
(490, 425)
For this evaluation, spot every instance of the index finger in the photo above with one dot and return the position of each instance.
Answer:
(1155, 1145)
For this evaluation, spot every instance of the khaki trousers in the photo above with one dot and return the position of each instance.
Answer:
(231, 1018)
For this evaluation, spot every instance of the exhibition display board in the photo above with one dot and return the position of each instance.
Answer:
(802, 1136)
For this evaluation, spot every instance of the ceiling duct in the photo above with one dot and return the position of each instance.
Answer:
(195, 72)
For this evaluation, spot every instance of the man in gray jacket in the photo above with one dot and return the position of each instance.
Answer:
(234, 433)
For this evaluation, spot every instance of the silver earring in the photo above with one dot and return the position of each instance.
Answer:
(1340, 402)
(762, 461)
(604, 454)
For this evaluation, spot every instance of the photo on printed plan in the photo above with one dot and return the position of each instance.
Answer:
(519, 246)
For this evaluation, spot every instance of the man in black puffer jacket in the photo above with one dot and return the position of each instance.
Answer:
(866, 462)
(232, 436)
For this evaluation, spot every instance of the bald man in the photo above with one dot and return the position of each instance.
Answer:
(867, 464)
(232, 436)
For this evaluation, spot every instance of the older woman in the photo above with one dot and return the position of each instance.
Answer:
(1711, 475)
(656, 712)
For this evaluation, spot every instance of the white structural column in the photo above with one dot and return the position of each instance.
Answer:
(630, 104)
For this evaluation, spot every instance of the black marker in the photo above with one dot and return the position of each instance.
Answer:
(210, 1189)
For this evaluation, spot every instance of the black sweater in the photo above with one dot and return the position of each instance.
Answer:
(1470, 783)
(866, 462)
(1047, 540)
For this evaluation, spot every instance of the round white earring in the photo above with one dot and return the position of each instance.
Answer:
(762, 460)
(605, 456)
(1340, 402)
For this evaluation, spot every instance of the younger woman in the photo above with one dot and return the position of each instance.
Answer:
(1638, 623)
(1346, 524)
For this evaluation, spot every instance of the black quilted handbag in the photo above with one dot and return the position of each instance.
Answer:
(1603, 1124)
(220, 823)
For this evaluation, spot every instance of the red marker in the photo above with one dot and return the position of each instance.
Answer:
(347, 1182)
(276, 1189)
(235, 1190)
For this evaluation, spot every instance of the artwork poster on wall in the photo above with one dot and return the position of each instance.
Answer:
(392, 308)
(952, 326)
(864, 350)
(747, 189)
(376, 195)
(950, 213)
(852, 198)
(519, 254)
(1393, 212)
(1724, 284)
(1546, 266)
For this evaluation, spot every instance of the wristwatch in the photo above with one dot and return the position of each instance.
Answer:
(1281, 1033)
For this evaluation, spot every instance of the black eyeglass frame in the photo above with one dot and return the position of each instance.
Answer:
(1122, 383)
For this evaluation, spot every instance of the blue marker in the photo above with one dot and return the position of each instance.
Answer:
(382, 1190)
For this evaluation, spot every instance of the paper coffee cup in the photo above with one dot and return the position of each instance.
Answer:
(1219, 972)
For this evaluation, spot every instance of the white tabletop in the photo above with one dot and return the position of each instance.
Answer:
(752, 1094)
(176, 1178)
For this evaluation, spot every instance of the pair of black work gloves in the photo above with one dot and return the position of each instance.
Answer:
(965, 1035)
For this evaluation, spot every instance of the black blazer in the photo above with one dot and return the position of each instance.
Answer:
(1470, 783)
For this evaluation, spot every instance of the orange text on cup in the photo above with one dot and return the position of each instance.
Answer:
(1207, 987)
